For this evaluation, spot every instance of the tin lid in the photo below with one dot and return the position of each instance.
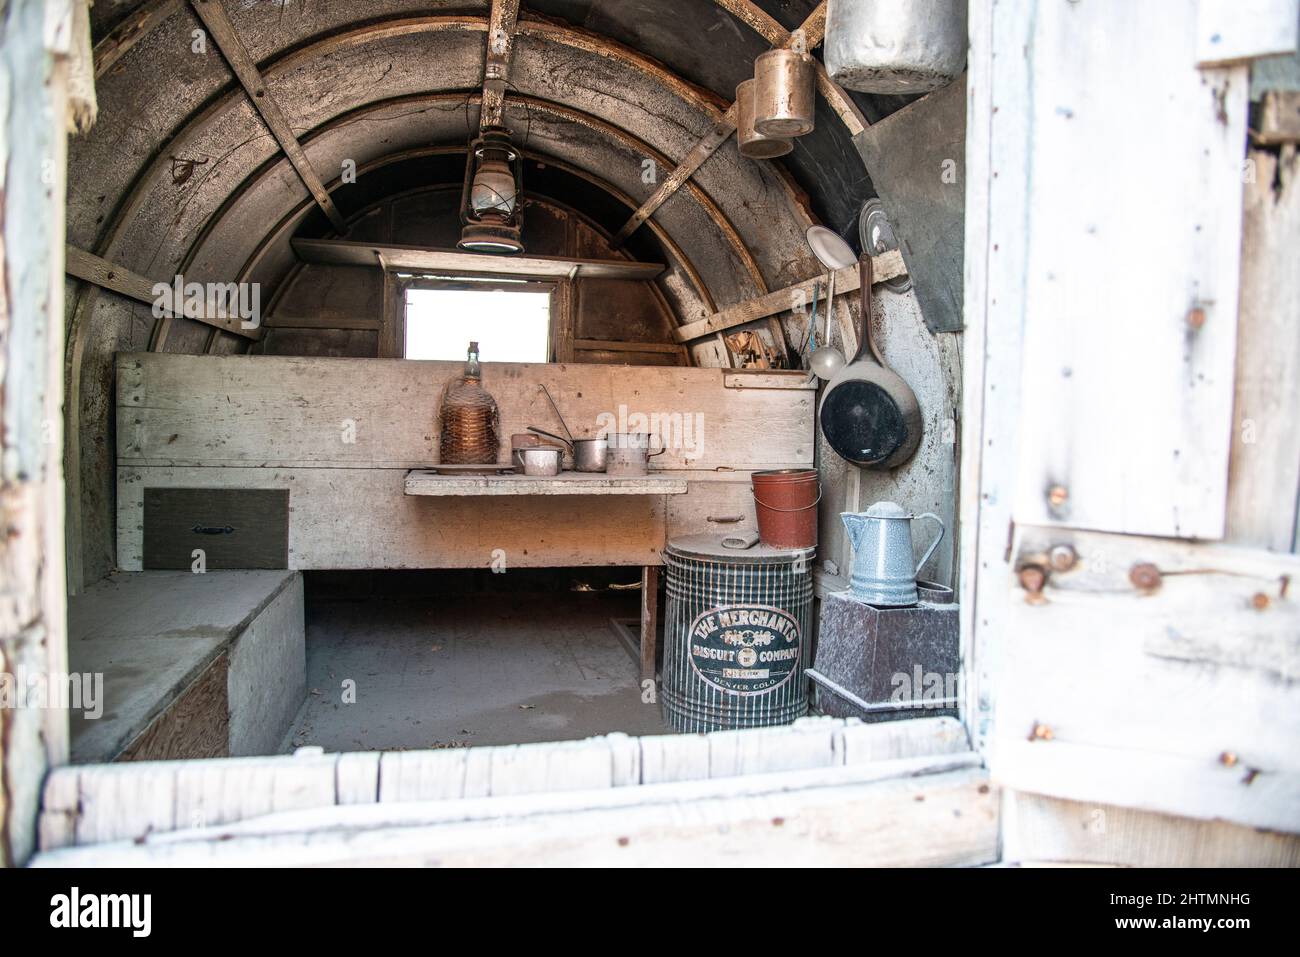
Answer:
(887, 510)
(709, 546)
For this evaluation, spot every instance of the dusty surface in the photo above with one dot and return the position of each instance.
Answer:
(440, 671)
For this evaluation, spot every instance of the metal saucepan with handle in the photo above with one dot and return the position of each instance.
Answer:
(589, 455)
(868, 414)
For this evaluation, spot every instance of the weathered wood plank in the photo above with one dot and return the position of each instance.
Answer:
(272, 411)
(327, 530)
(1040, 829)
(608, 345)
(165, 796)
(885, 266)
(195, 725)
(218, 22)
(756, 19)
(426, 482)
(799, 818)
(1127, 382)
(134, 27)
(1264, 474)
(93, 269)
(1188, 687)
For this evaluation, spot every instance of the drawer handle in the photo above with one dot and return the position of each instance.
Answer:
(212, 530)
(726, 519)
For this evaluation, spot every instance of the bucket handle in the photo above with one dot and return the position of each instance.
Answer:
(801, 508)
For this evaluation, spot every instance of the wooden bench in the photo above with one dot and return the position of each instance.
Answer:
(209, 665)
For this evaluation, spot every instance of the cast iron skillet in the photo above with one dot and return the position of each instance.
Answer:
(868, 414)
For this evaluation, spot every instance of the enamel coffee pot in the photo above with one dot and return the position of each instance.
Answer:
(882, 554)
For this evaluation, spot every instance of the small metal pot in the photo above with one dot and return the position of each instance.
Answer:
(543, 461)
(629, 454)
(518, 442)
(785, 95)
(590, 455)
(752, 143)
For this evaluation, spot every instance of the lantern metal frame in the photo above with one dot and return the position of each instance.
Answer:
(492, 231)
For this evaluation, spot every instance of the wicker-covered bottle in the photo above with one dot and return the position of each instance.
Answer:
(468, 418)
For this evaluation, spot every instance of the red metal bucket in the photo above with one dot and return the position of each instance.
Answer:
(785, 501)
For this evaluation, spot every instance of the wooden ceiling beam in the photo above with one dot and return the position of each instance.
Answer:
(108, 275)
(337, 252)
(137, 24)
(814, 32)
(496, 62)
(757, 20)
(226, 40)
(885, 266)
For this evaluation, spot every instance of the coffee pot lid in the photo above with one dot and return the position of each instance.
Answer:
(887, 510)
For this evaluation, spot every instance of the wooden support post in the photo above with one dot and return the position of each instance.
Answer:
(564, 319)
(649, 620)
(222, 30)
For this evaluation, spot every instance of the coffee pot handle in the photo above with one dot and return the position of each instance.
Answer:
(933, 545)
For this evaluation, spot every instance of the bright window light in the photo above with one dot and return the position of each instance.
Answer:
(508, 326)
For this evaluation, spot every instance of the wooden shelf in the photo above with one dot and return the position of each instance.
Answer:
(342, 252)
(428, 482)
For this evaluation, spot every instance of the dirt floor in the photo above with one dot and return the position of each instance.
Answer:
(447, 661)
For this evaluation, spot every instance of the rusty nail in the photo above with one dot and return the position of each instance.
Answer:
(1041, 732)
(1062, 557)
(1195, 317)
(1228, 759)
(1144, 576)
(1057, 495)
(1259, 601)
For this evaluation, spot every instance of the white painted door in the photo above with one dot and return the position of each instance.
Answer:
(1132, 605)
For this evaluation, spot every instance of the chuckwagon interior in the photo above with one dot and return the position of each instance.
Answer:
(462, 619)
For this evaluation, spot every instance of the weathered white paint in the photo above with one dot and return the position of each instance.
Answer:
(35, 47)
(1234, 31)
(98, 804)
(849, 818)
(1179, 700)
(1126, 403)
